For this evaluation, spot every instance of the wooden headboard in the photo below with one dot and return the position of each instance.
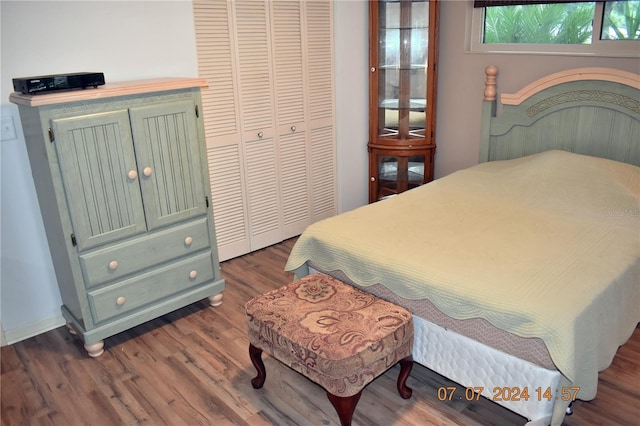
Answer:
(591, 111)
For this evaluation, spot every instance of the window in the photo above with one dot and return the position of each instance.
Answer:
(603, 28)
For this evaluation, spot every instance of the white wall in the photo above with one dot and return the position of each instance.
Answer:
(138, 39)
(351, 44)
(126, 40)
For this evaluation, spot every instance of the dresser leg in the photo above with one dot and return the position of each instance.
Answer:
(95, 349)
(216, 300)
(72, 330)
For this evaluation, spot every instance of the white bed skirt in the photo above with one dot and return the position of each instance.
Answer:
(472, 364)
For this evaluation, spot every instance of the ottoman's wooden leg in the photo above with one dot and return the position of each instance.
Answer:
(345, 406)
(256, 358)
(406, 364)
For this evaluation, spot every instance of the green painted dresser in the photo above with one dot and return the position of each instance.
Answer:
(122, 181)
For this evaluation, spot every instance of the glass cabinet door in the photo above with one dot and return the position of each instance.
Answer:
(403, 41)
(397, 174)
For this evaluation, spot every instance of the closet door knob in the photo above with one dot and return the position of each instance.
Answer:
(113, 265)
(147, 171)
(293, 128)
(188, 241)
(193, 274)
(120, 300)
(373, 179)
(132, 174)
(260, 134)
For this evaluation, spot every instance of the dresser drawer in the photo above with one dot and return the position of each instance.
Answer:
(157, 284)
(119, 260)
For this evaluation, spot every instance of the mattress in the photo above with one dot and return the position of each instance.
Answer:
(541, 247)
(532, 350)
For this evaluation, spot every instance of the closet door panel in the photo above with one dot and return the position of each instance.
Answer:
(263, 192)
(216, 62)
(229, 200)
(294, 184)
(288, 62)
(254, 70)
(319, 65)
(323, 175)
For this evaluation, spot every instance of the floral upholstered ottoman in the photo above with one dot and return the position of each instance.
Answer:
(332, 333)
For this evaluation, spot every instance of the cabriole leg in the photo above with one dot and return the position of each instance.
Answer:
(345, 406)
(256, 358)
(406, 364)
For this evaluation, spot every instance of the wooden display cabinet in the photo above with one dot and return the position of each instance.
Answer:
(403, 51)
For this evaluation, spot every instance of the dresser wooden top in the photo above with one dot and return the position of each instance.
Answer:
(108, 91)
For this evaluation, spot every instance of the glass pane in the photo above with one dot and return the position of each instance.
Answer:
(621, 20)
(397, 174)
(559, 23)
(402, 68)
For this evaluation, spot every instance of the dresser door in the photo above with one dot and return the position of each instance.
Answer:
(166, 143)
(98, 169)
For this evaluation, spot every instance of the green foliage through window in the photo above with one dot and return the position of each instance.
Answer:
(560, 23)
(621, 20)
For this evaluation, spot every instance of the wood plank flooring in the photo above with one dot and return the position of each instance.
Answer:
(192, 367)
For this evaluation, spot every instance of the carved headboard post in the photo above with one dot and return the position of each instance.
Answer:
(490, 84)
(488, 111)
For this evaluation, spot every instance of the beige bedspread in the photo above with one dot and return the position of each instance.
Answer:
(543, 246)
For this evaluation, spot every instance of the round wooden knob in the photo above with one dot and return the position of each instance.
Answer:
(132, 174)
(193, 274)
(188, 241)
(120, 300)
(113, 265)
(147, 171)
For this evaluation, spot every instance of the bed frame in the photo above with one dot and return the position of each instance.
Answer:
(591, 111)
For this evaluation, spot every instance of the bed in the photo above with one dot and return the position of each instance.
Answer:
(522, 272)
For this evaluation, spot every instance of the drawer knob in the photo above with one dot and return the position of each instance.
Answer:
(188, 241)
(193, 274)
(120, 300)
(132, 174)
(113, 265)
(147, 171)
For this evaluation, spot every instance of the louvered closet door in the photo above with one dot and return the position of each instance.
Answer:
(100, 178)
(256, 115)
(318, 18)
(217, 63)
(166, 141)
(268, 117)
(287, 59)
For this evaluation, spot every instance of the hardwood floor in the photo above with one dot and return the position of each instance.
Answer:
(192, 367)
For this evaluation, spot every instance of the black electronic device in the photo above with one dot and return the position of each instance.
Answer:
(50, 83)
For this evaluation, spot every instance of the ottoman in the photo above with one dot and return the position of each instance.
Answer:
(332, 333)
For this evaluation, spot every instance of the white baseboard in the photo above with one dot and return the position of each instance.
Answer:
(15, 335)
